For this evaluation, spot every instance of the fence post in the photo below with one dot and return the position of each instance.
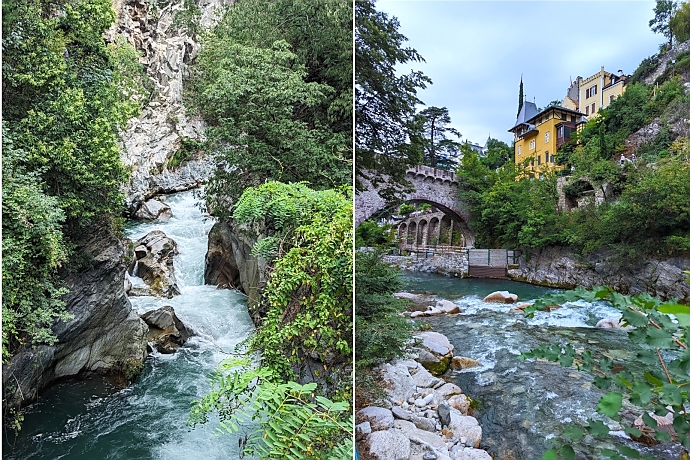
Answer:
(488, 257)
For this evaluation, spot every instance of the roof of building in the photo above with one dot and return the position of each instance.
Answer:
(528, 111)
(536, 114)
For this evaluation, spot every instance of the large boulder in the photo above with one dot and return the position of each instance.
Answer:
(434, 351)
(400, 386)
(104, 336)
(501, 297)
(388, 445)
(464, 426)
(166, 331)
(379, 418)
(461, 362)
(229, 263)
(153, 263)
(154, 210)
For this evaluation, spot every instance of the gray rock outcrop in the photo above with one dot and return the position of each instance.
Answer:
(153, 263)
(149, 141)
(166, 332)
(229, 262)
(154, 210)
(434, 351)
(104, 336)
(559, 267)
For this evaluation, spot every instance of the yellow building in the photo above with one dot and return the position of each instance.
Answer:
(539, 135)
(589, 95)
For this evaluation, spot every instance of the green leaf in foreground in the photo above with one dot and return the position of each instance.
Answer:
(610, 404)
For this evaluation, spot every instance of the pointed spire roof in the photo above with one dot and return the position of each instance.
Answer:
(528, 110)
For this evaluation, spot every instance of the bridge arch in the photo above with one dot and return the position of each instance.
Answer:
(437, 187)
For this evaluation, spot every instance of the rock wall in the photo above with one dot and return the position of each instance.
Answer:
(149, 141)
(105, 335)
(559, 267)
(229, 263)
(447, 263)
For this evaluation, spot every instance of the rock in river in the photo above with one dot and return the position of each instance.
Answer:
(154, 210)
(501, 297)
(153, 263)
(166, 331)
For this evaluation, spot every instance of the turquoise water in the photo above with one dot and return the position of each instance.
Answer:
(96, 419)
(523, 404)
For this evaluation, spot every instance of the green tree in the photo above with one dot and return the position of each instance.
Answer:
(253, 99)
(521, 98)
(498, 153)
(680, 23)
(439, 149)
(661, 23)
(387, 130)
(381, 332)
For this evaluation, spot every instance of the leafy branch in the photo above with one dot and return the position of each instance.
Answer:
(288, 420)
(659, 392)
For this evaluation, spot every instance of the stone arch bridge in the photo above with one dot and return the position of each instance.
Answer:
(436, 187)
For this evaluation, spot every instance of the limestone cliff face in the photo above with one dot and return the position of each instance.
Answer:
(104, 336)
(150, 140)
(558, 267)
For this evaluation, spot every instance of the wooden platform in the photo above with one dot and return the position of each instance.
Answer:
(478, 271)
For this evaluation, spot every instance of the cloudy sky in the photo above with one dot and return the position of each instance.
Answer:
(475, 52)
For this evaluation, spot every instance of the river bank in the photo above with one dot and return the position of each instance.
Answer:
(558, 267)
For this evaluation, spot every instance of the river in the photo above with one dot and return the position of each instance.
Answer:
(523, 404)
(94, 419)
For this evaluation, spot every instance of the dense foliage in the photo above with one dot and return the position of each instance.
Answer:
(273, 81)
(387, 131)
(661, 330)
(381, 332)
(370, 234)
(33, 248)
(309, 292)
(67, 92)
(508, 210)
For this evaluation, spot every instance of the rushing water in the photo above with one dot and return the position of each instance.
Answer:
(94, 419)
(522, 404)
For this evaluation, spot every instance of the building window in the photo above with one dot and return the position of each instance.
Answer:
(593, 108)
(572, 118)
(539, 160)
(533, 144)
(589, 92)
(611, 98)
(519, 149)
(587, 110)
(546, 137)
